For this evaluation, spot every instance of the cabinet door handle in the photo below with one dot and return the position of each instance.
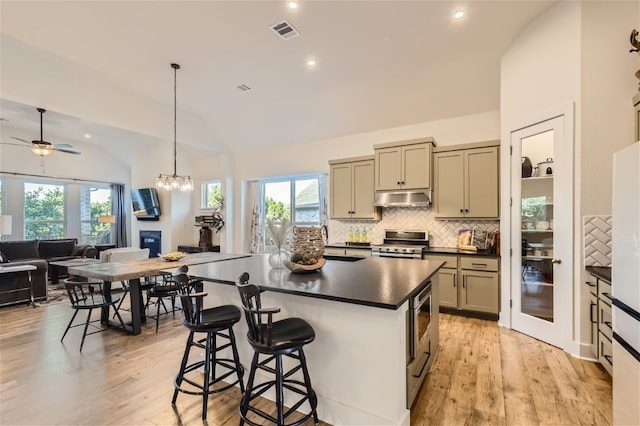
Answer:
(479, 265)
(461, 210)
(606, 295)
(463, 282)
(455, 279)
(608, 324)
(590, 284)
(426, 361)
(556, 260)
(399, 182)
(466, 210)
(591, 314)
(608, 358)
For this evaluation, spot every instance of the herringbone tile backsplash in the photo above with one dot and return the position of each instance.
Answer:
(597, 240)
(442, 233)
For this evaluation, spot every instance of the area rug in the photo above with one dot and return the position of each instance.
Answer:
(56, 293)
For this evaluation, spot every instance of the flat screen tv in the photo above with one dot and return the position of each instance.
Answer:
(145, 204)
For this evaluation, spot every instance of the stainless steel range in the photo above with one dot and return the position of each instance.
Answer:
(398, 243)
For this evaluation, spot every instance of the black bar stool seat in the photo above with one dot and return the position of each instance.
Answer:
(275, 339)
(215, 323)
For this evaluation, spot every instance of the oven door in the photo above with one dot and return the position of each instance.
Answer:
(422, 317)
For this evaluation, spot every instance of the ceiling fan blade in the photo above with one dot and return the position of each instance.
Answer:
(13, 144)
(21, 140)
(68, 151)
(62, 145)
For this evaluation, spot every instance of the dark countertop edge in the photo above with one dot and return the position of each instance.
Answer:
(601, 272)
(457, 252)
(390, 306)
(431, 250)
(332, 298)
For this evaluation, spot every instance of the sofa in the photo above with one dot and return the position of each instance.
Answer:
(14, 286)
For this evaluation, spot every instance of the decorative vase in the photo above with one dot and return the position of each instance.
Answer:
(278, 257)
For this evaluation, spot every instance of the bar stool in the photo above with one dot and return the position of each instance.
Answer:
(215, 322)
(275, 339)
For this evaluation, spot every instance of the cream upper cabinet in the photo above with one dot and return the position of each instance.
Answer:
(466, 182)
(403, 165)
(352, 189)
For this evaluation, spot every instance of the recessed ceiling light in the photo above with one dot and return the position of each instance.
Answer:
(87, 136)
(458, 14)
(293, 4)
(311, 63)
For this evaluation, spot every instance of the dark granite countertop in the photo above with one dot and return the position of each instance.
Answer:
(458, 252)
(379, 282)
(601, 272)
(430, 250)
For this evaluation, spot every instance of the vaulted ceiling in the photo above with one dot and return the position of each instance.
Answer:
(379, 64)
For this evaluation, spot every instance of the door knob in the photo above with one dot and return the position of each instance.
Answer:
(556, 260)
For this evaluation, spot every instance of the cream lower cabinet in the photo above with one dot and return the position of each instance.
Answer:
(469, 285)
(352, 189)
(342, 251)
(466, 182)
(601, 322)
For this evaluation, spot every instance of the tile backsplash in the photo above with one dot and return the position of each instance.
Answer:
(442, 233)
(597, 240)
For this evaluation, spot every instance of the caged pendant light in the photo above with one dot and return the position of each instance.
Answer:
(174, 182)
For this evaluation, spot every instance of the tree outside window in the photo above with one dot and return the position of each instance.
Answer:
(95, 202)
(296, 199)
(44, 213)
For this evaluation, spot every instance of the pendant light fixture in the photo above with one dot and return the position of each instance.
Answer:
(174, 182)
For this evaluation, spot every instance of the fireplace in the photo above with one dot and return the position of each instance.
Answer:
(151, 240)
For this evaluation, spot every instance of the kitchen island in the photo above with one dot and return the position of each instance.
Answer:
(361, 315)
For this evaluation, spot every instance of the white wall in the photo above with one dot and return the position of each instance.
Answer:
(577, 52)
(313, 157)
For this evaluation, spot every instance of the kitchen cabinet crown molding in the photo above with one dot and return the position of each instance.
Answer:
(425, 139)
(459, 147)
(352, 159)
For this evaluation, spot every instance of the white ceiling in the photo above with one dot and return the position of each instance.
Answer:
(380, 64)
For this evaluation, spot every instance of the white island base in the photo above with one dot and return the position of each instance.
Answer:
(357, 363)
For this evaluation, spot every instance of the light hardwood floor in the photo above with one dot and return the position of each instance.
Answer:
(484, 374)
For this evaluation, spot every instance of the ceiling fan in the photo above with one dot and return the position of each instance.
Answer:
(44, 148)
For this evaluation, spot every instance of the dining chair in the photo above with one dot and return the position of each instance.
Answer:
(87, 295)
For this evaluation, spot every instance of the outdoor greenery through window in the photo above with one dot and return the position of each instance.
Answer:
(294, 198)
(211, 195)
(95, 202)
(44, 212)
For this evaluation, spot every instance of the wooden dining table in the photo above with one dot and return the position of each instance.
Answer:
(133, 271)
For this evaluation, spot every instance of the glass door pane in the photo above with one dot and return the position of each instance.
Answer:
(537, 283)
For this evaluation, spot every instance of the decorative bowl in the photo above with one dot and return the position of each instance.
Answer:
(303, 269)
(173, 256)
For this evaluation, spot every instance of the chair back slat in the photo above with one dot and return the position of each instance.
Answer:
(82, 291)
(251, 304)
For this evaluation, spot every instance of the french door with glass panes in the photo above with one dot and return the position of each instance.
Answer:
(542, 230)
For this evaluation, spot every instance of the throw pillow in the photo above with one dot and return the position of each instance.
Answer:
(4, 258)
(60, 248)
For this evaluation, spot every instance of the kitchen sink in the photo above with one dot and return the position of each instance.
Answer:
(342, 257)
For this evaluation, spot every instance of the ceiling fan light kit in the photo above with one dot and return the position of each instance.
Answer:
(174, 182)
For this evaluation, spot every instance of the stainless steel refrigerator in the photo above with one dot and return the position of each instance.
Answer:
(626, 286)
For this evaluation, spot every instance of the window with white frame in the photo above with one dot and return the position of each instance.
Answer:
(211, 198)
(44, 211)
(295, 198)
(96, 218)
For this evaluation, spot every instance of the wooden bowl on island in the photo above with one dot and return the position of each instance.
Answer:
(303, 269)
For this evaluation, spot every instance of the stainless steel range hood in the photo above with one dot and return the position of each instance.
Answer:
(408, 198)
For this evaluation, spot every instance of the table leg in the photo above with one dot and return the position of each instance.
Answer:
(31, 298)
(104, 315)
(137, 307)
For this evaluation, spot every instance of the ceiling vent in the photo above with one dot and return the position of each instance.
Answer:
(285, 30)
(242, 88)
